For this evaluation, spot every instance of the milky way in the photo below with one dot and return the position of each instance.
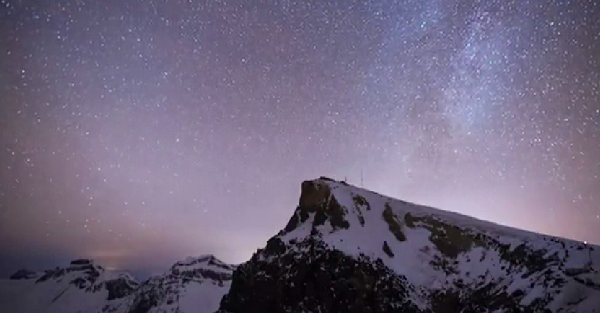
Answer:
(140, 132)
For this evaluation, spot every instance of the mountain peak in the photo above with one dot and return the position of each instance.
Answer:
(25, 274)
(82, 262)
(388, 253)
(206, 266)
(317, 198)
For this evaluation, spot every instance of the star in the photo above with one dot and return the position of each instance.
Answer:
(199, 120)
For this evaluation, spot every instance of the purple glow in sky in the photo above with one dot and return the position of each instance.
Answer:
(140, 132)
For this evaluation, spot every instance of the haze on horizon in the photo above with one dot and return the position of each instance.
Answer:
(141, 132)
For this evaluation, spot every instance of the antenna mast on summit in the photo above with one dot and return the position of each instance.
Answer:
(361, 178)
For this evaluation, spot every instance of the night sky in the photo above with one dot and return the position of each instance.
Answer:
(141, 132)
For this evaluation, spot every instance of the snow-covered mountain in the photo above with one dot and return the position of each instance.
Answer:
(83, 286)
(347, 249)
(193, 285)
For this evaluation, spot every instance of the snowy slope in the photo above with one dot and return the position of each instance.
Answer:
(81, 287)
(192, 285)
(346, 246)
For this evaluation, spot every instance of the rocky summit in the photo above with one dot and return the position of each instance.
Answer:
(347, 249)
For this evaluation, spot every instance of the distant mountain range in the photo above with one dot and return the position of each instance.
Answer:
(345, 249)
(192, 285)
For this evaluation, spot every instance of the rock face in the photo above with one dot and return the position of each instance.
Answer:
(346, 249)
(24, 274)
(193, 285)
(83, 286)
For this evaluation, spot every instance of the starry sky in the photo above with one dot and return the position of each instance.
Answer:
(140, 132)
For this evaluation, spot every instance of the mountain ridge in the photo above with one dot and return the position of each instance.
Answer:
(344, 249)
(195, 284)
(82, 286)
(85, 286)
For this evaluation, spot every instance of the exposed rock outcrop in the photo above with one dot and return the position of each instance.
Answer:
(24, 274)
